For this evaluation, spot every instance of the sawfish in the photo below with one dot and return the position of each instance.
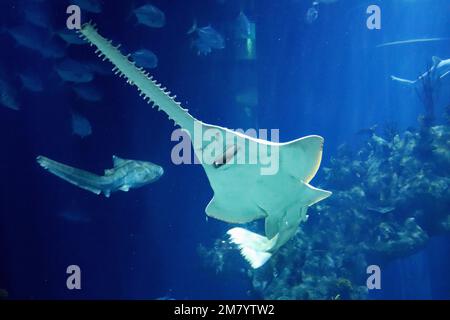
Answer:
(243, 190)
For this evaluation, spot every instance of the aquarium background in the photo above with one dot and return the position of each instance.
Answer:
(327, 77)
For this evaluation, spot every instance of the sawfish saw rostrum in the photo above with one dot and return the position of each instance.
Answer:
(244, 191)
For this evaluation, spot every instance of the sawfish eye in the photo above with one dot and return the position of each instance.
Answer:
(225, 157)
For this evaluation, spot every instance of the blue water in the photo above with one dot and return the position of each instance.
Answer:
(326, 78)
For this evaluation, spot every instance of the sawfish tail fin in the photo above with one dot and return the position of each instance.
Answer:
(80, 178)
(254, 247)
(404, 81)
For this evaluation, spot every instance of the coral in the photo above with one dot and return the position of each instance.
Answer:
(388, 199)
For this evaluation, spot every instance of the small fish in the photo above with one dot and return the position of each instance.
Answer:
(8, 97)
(382, 210)
(145, 58)
(31, 82)
(37, 39)
(29, 37)
(52, 49)
(125, 175)
(202, 48)
(99, 68)
(73, 71)
(207, 39)
(87, 92)
(311, 15)
(244, 29)
(150, 16)
(81, 126)
(248, 98)
(75, 217)
(70, 37)
(367, 131)
(37, 14)
(92, 6)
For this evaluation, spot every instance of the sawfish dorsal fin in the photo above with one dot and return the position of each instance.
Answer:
(151, 91)
(436, 60)
(117, 161)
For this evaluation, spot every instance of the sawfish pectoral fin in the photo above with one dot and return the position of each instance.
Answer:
(312, 195)
(301, 158)
(254, 247)
(233, 212)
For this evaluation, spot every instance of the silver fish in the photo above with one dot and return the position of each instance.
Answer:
(93, 6)
(73, 71)
(70, 36)
(8, 97)
(31, 82)
(87, 92)
(145, 58)
(207, 39)
(81, 126)
(150, 16)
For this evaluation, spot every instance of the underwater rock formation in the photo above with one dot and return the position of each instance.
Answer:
(389, 198)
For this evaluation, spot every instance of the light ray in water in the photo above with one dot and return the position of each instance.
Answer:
(411, 41)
